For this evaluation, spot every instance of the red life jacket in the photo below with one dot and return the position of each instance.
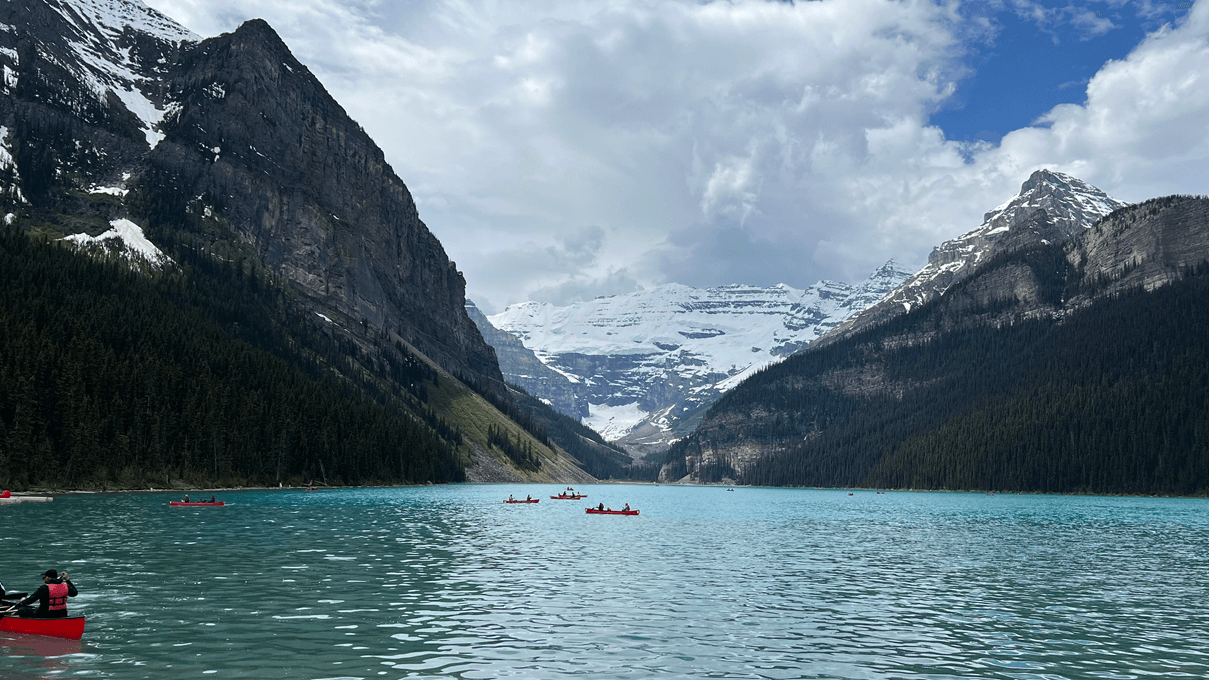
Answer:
(58, 596)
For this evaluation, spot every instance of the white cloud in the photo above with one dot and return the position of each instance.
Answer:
(575, 147)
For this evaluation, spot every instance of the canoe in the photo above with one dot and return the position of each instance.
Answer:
(191, 503)
(532, 501)
(69, 628)
(594, 511)
(569, 498)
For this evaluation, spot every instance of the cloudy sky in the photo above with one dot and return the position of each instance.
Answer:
(564, 149)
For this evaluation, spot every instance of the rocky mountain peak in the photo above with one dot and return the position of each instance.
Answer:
(1070, 204)
(1051, 207)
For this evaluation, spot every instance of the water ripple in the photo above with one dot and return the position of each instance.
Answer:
(758, 583)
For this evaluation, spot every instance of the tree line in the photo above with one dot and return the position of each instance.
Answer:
(200, 374)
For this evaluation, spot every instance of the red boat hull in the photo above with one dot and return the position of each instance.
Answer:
(594, 511)
(70, 628)
(568, 498)
(535, 500)
(216, 503)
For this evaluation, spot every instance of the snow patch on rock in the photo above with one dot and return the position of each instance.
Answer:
(132, 238)
(613, 422)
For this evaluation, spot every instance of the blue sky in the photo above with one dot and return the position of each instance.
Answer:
(1029, 66)
(564, 149)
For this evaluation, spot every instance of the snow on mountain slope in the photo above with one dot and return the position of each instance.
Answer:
(653, 357)
(129, 239)
(112, 47)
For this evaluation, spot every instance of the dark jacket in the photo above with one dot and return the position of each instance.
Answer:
(42, 595)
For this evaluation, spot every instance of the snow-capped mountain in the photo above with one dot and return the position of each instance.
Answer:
(652, 360)
(1051, 207)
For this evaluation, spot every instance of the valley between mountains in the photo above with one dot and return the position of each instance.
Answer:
(212, 276)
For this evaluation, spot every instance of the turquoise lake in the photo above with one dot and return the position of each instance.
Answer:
(438, 582)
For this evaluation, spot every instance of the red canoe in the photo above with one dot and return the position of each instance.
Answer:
(594, 511)
(532, 501)
(70, 628)
(192, 503)
(569, 498)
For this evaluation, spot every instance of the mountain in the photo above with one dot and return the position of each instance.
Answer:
(647, 363)
(105, 96)
(121, 132)
(1051, 207)
(1076, 366)
(520, 365)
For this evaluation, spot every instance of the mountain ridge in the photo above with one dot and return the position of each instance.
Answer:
(646, 362)
(1051, 206)
(1018, 345)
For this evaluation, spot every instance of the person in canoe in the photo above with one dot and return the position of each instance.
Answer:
(627, 507)
(51, 597)
(529, 497)
(212, 499)
(510, 497)
(600, 507)
(186, 498)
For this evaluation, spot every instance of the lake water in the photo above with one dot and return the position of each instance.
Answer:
(705, 583)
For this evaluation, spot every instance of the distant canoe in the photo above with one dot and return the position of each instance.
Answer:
(215, 503)
(594, 511)
(569, 498)
(530, 501)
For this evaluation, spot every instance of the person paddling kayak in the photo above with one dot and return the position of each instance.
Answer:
(51, 597)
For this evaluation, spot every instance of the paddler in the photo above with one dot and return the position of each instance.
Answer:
(51, 597)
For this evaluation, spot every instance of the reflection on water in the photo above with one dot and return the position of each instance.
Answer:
(759, 583)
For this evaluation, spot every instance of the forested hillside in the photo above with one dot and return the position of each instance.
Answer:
(201, 374)
(961, 394)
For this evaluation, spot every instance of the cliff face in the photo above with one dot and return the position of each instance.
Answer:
(1148, 245)
(522, 367)
(111, 110)
(255, 135)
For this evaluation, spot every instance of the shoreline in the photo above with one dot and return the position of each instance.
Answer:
(215, 490)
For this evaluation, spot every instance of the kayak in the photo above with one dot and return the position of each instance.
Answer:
(569, 498)
(594, 511)
(532, 501)
(70, 628)
(194, 503)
